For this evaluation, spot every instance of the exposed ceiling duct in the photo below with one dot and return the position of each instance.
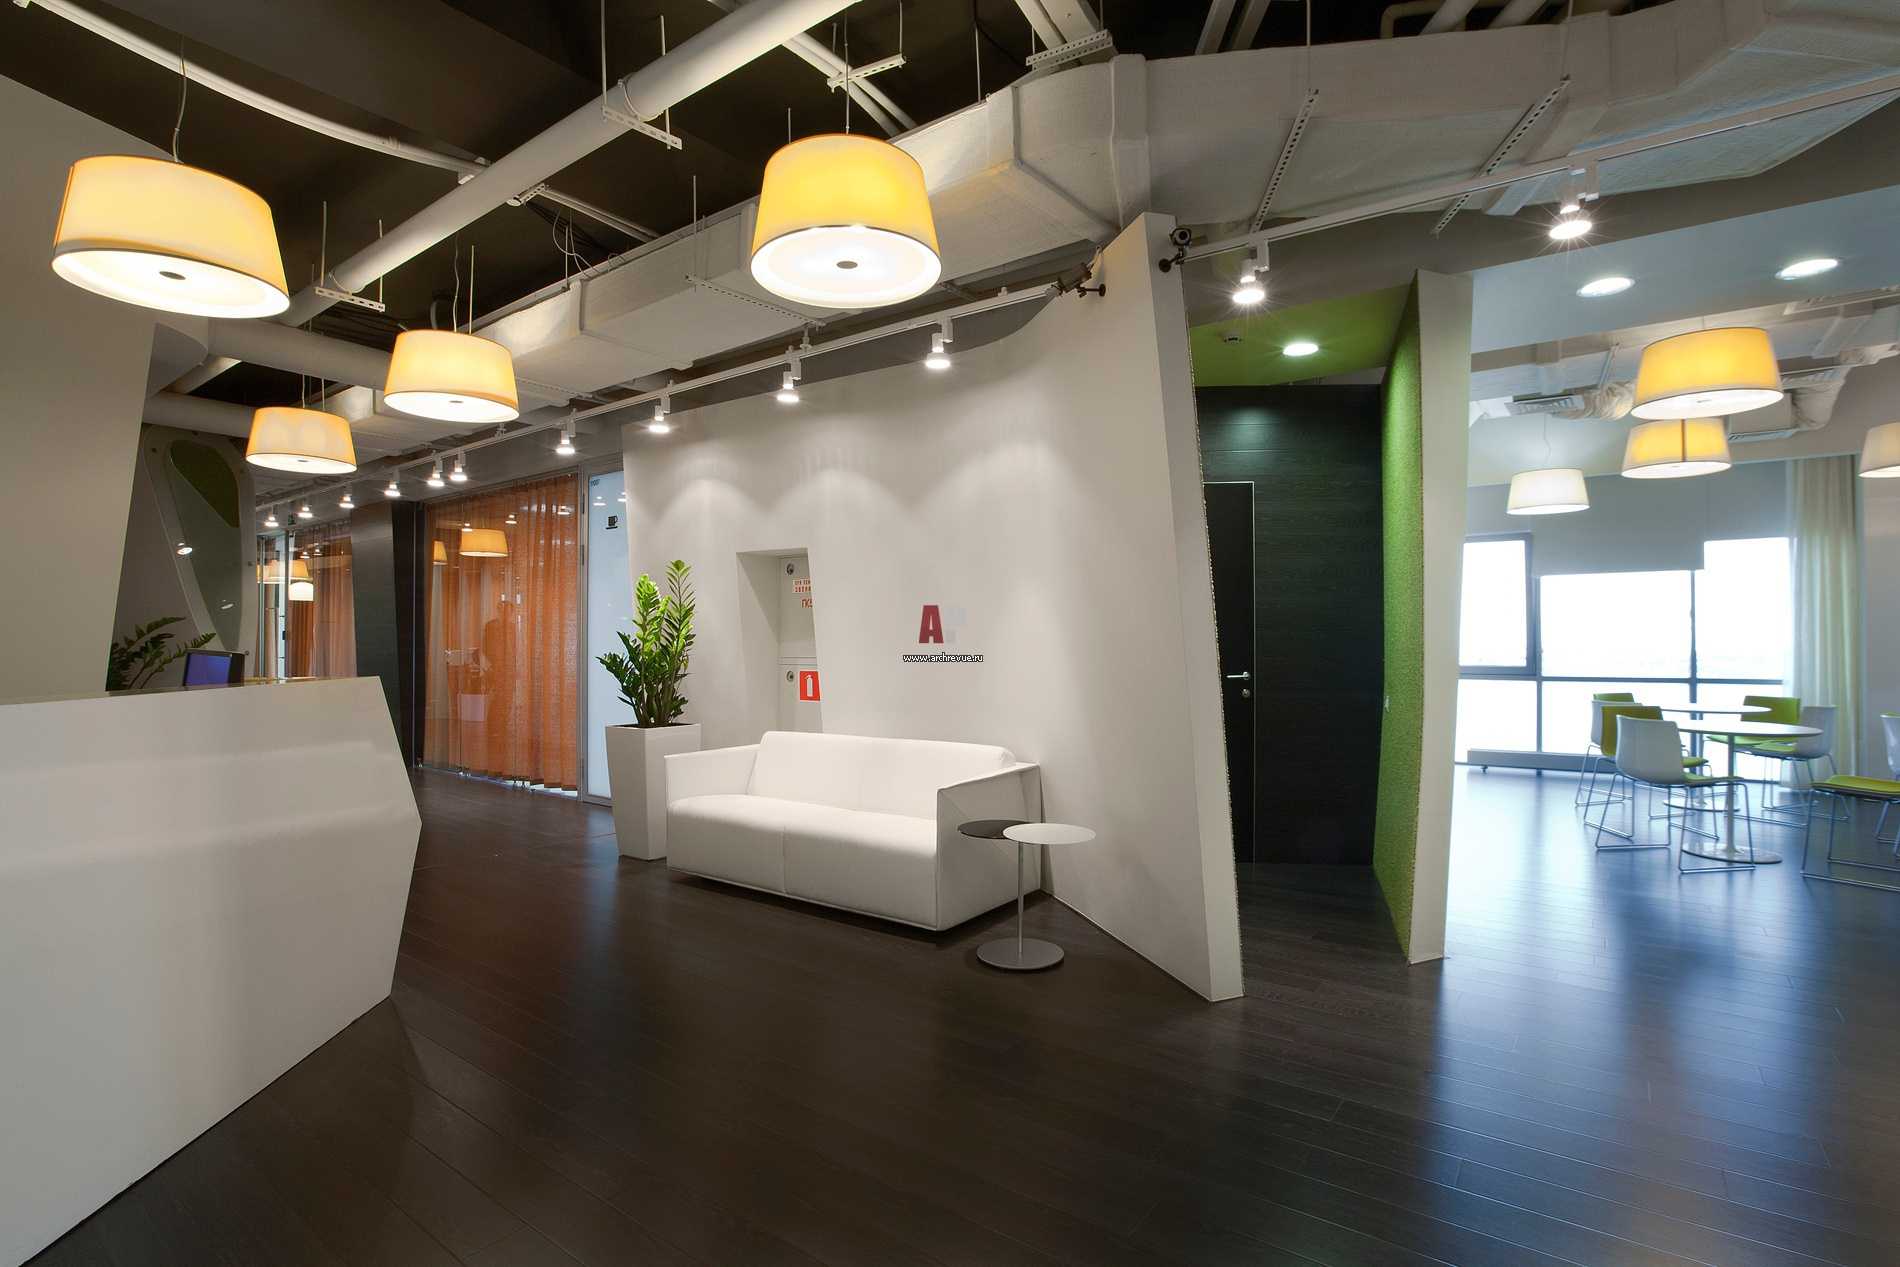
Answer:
(646, 94)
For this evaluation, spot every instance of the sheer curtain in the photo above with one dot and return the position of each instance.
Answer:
(1826, 586)
(504, 636)
(321, 632)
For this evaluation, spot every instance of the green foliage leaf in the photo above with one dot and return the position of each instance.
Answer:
(656, 656)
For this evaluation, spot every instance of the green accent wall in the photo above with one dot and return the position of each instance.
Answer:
(1401, 734)
(1354, 332)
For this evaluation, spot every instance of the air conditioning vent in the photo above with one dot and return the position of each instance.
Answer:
(1518, 406)
(1750, 437)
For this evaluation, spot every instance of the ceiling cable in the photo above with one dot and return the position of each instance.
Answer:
(184, 86)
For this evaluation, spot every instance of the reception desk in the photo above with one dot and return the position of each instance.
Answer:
(197, 889)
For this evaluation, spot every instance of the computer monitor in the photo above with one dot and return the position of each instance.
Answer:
(214, 668)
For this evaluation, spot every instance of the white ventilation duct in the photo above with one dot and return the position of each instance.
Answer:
(1606, 403)
(1811, 400)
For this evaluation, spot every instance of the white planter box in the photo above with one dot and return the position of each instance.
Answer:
(636, 767)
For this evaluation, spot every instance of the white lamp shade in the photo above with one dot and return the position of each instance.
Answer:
(1676, 449)
(163, 235)
(1556, 491)
(309, 441)
(1880, 452)
(1707, 374)
(485, 543)
(303, 591)
(451, 377)
(844, 222)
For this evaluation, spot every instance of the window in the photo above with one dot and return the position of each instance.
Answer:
(1494, 622)
(1528, 670)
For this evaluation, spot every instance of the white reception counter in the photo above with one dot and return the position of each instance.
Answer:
(197, 889)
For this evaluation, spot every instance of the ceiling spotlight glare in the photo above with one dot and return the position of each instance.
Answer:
(270, 518)
(1247, 288)
(435, 479)
(304, 512)
(392, 489)
(1601, 286)
(1301, 347)
(459, 475)
(1807, 268)
(788, 389)
(182, 548)
(1570, 226)
(659, 426)
(938, 358)
(346, 501)
(566, 447)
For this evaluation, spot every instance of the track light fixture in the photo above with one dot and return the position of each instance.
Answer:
(182, 548)
(939, 358)
(304, 511)
(270, 517)
(661, 408)
(435, 479)
(459, 473)
(392, 489)
(566, 446)
(1572, 221)
(788, 383)
(1248, 288)
(346, 501)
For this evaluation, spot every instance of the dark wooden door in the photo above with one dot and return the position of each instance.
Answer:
(1230, 547)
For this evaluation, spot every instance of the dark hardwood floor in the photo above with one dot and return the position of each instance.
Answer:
(591, 1060)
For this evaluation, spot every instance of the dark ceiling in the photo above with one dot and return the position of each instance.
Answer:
(482, 76)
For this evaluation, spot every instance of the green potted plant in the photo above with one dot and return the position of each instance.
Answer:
(650, 669)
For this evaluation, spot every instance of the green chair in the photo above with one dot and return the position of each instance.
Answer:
(1838, 790)
(1783, 710)
(1593, 754)
(1609, 713)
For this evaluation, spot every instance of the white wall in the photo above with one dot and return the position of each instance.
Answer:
(1880, 614)
(1045, 492)
(72, 388)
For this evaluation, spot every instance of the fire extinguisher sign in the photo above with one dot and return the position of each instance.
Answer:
(808, 686)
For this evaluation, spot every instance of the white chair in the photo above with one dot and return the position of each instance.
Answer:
(1800, 754)
(1649, 754)
(1891, 721)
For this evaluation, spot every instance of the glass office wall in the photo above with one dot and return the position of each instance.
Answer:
(504, 633)
(1534, 651)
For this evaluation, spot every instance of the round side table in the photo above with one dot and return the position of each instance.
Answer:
(1020, 953)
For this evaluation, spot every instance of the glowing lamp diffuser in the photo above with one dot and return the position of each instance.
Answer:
(1555, 491)
(308, 441)
(451, 377)
(1707, 374)
(1676, 449)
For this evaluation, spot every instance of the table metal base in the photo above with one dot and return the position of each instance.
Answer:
(1723, 851)
(1025, 954)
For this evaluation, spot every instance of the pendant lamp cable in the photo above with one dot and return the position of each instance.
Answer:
(184, 86)
(471, 289)
(455, 266)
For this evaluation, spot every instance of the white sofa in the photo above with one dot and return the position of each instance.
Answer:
(861, 824)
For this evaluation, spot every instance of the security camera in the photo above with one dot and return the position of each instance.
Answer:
(1180, 237)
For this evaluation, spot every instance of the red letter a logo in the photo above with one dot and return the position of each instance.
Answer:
(931, 629)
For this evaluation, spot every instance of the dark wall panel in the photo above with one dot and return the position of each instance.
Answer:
(384, 548)
(1312, 454)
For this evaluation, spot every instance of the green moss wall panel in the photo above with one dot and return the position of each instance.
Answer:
(1401, 736)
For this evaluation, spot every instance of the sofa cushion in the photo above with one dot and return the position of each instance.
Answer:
(885, 864)
(738, 838)
(901, 776)
(890, 776)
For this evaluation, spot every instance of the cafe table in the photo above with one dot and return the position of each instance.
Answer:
(1729, 732)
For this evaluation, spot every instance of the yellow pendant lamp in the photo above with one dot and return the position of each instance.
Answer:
(1880, 453)
(844, 222)
(1555, 491)
(1707, 374)
(159, 234)
(451, 377)
(1676, 449)
(309, 441)
(441, 555)
(272, 572)
(484, 543)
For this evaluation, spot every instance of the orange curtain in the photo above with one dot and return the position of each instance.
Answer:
(504, 636)
(321, 633)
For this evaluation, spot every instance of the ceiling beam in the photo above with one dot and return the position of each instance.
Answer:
(868, 96)
(1058, 22)
(1214, 29)
(1252, 14)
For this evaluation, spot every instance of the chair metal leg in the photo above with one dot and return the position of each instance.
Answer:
(1728, 808)
(1832, 861)
(1602, 823)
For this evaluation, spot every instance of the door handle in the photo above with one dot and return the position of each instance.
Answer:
(1246, 675)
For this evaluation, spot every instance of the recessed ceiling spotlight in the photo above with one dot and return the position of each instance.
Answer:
(1301, 347)
(1807, 268)
(1601, 286)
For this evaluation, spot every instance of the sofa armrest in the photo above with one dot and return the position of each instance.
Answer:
(710, 773)
(974, 876)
